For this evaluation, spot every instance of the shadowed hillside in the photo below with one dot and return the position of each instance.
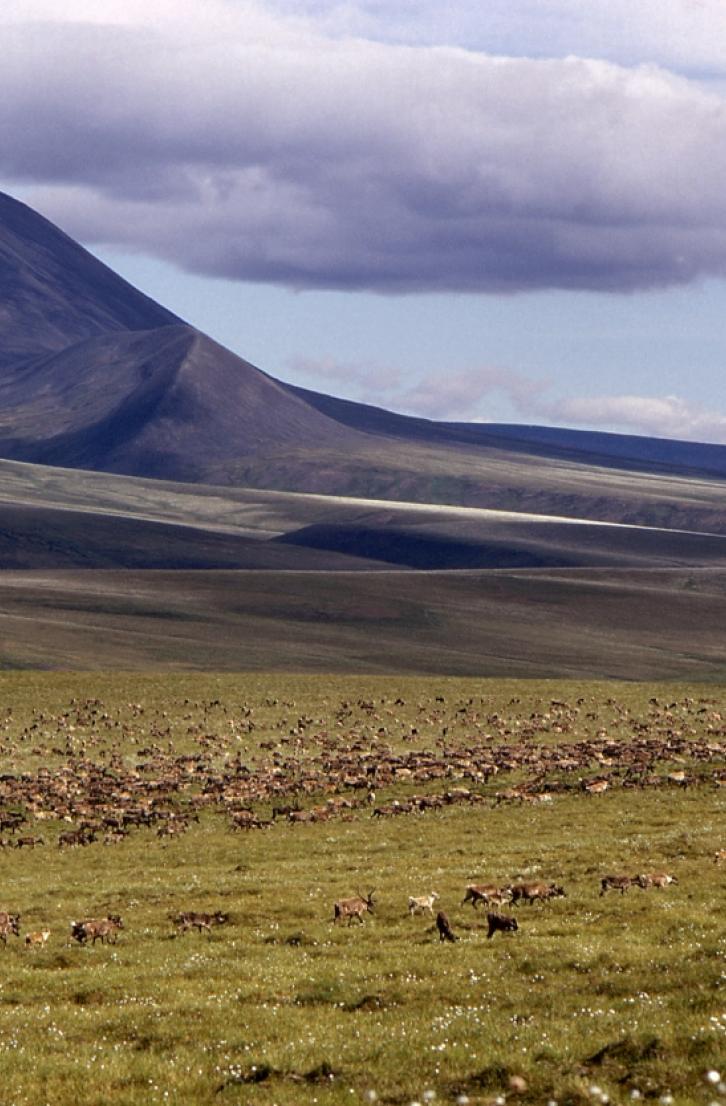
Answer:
(57, 518)
(166, 403)
(53, 293)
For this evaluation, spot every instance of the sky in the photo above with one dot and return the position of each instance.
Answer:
(485, 210)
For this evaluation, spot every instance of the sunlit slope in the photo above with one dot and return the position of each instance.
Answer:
(58, 518)
(497, 479)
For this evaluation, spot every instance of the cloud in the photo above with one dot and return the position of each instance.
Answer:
(370, 382)
(686, 35)
(453, 396)
(460, 396)
(243, 143)
(656, 416)
(470, 395)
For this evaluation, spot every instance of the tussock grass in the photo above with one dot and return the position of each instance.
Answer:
(280, 1006)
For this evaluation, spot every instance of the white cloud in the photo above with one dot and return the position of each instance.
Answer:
(242, 143)
(470, 395)
(370, 382)
(687, 35)
(462, 396)
(657, 416)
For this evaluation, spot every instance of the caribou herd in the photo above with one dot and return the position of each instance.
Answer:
(353, 909)
(341, 765)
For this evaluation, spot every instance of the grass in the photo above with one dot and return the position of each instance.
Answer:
(624, 993)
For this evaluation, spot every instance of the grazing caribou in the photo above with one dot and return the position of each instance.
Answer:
(501, 922)
(446, 933)
(9, 926)
(354, 907)
(28, 842)
(75, 837)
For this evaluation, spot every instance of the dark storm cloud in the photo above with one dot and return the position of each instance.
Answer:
(251, 147)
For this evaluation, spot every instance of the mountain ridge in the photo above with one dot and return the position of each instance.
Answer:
(54, 292)
(94, 375)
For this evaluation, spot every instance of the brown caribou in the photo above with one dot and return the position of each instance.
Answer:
(354, 907)
(531, 892)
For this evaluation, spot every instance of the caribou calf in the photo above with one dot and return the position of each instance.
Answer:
(418, 904)
(194, 919)
(37, 940)
(354, 907)
(655, 879)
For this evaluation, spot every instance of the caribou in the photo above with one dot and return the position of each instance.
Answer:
(445, 931)
(488, 893)
(616, 883)
(531, 892)
(502, 923)
(9, 926)
(37, 939)
(655, 879)
(194, 919)
(354, 907)
(418, 904)
(94, 929)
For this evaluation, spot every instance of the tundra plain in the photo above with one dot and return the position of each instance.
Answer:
(397, 785)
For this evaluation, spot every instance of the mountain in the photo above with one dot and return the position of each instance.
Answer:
(94, 375)
(612, 450)
(307, 532)
(167, 402)
(53, 293)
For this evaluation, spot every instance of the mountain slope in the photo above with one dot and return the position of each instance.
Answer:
(166, 403)
(586, 446)
(53, 293)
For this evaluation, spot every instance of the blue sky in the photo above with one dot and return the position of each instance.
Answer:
(405, 203)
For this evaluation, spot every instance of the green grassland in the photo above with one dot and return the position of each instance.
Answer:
(619, 992)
